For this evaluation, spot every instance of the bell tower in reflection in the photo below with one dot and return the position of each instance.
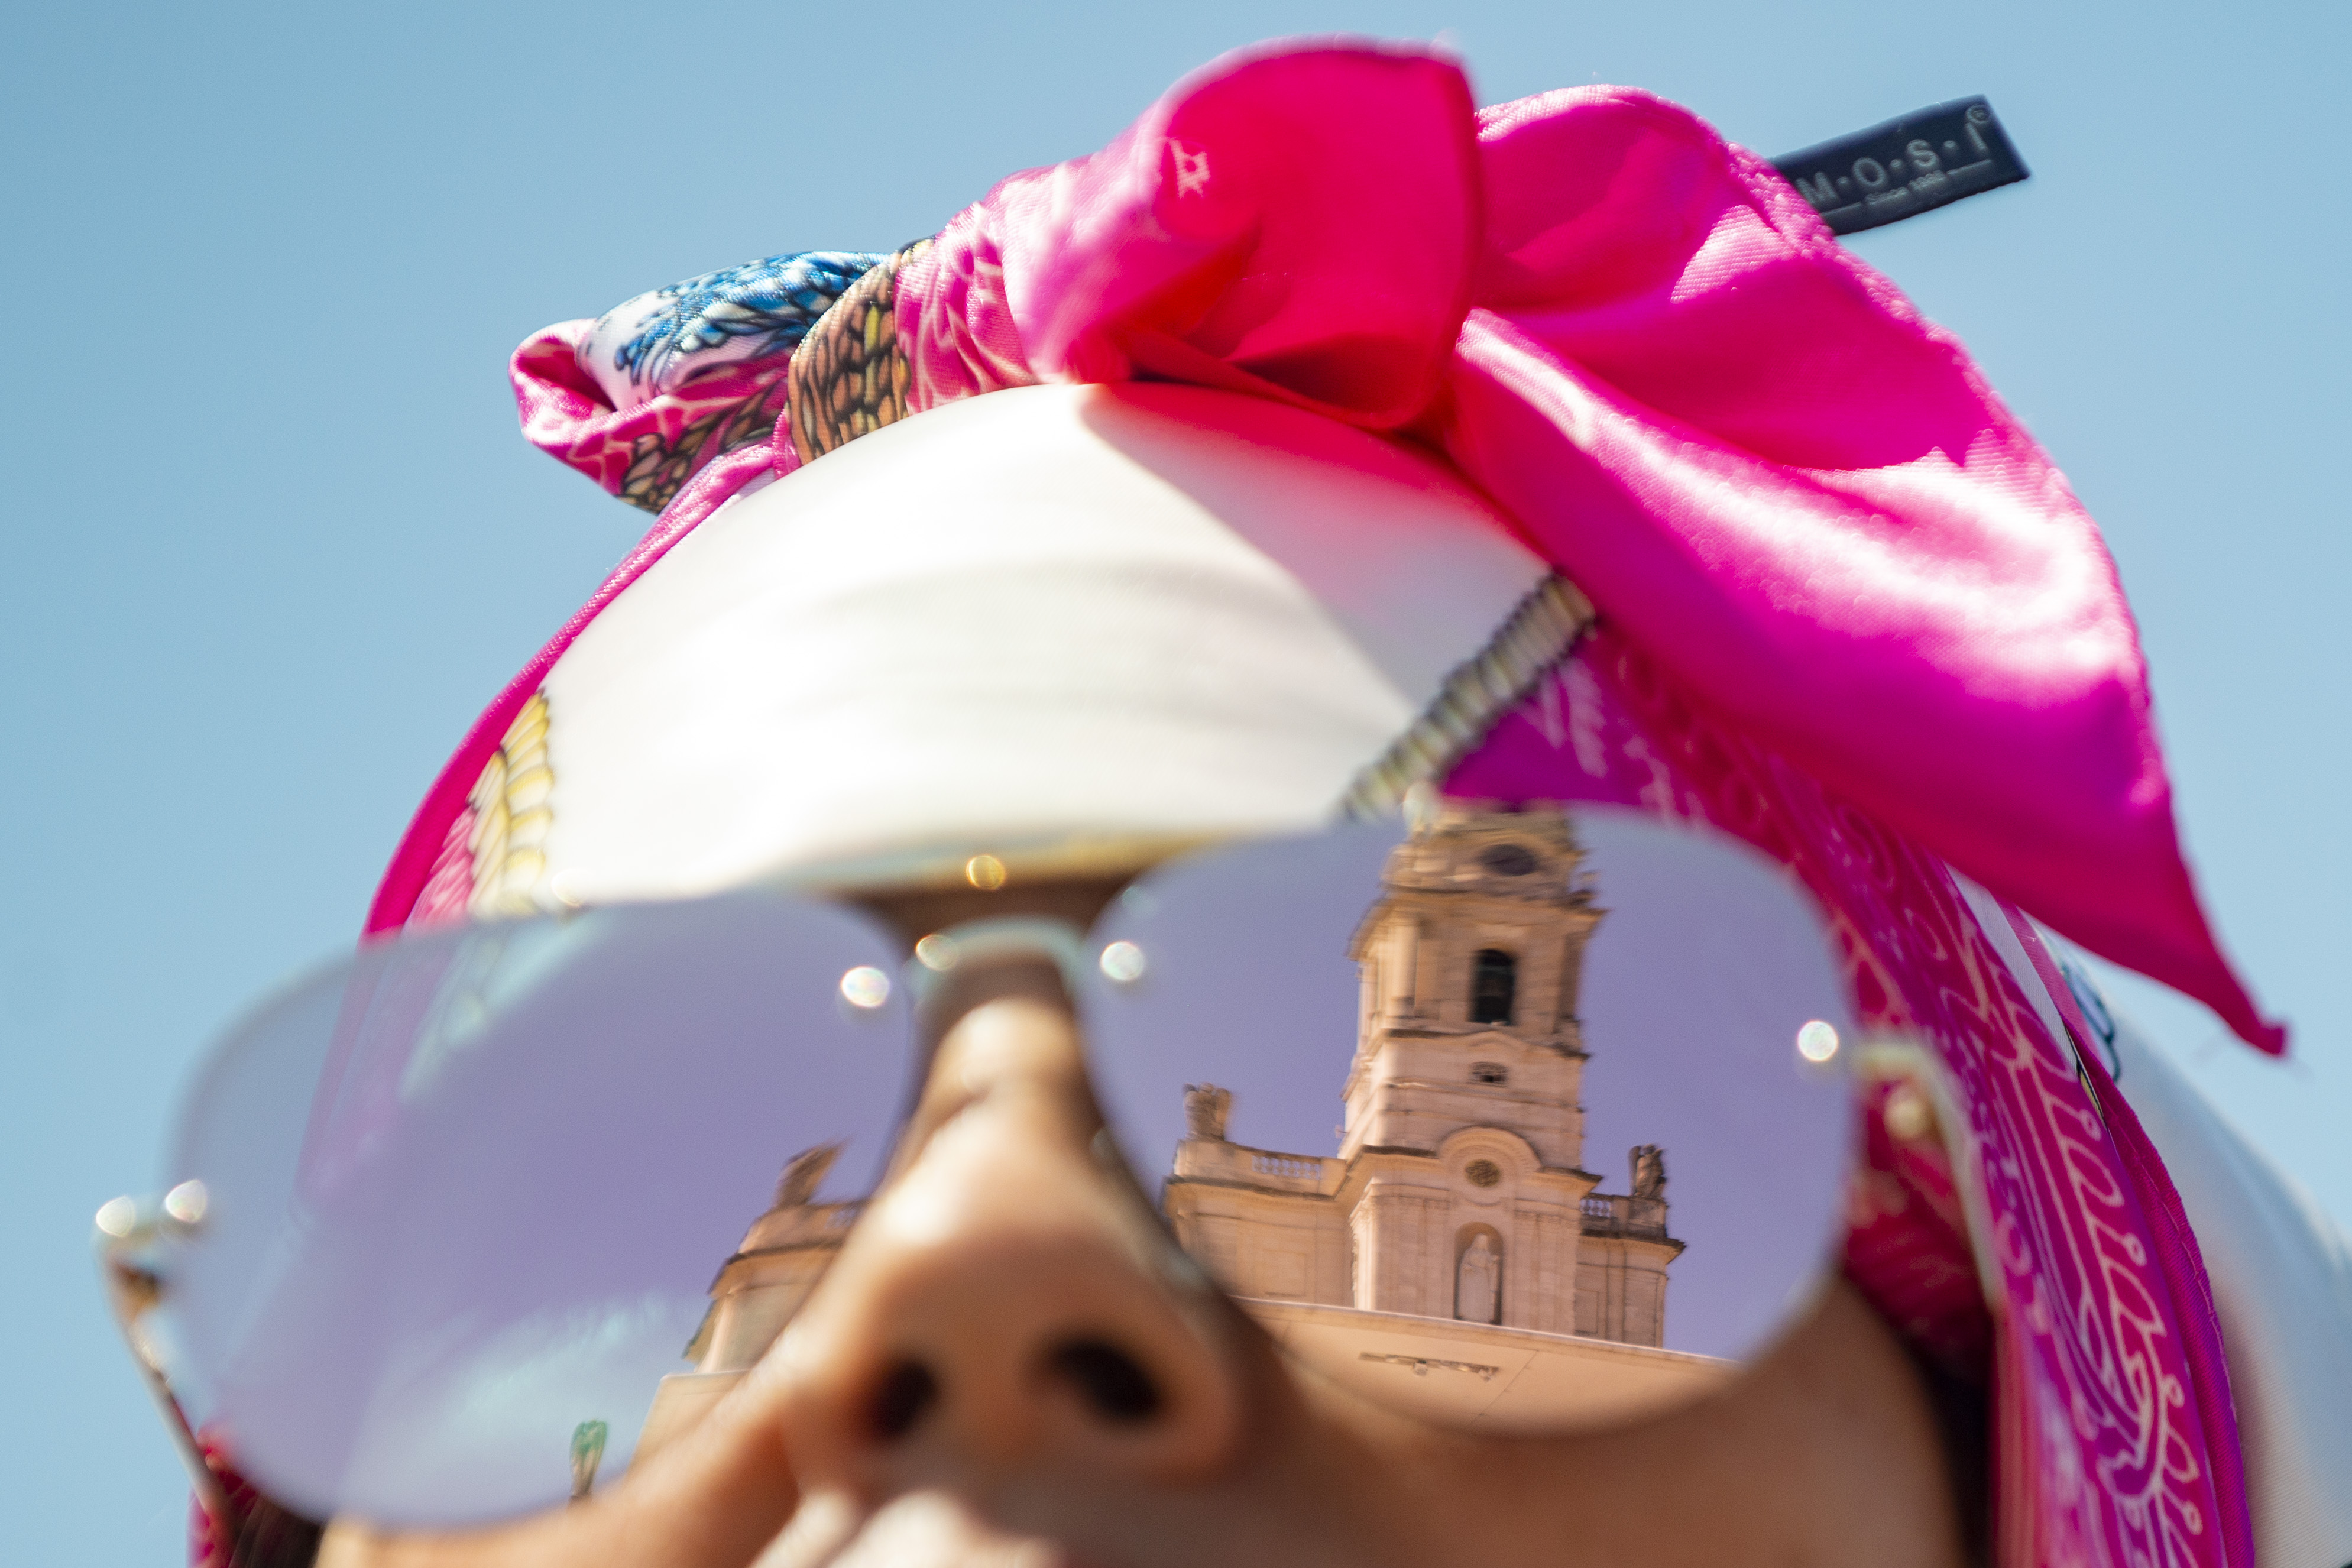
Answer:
(1470, 960)
(1459, 1189)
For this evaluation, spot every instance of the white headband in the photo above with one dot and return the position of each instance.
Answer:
(1132, 611)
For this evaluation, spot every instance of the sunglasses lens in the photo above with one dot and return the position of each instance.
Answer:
(1533, 1119)
(464, 1195)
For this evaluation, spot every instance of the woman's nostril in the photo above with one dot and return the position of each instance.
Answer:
(907, 1392)
(1109, 1378)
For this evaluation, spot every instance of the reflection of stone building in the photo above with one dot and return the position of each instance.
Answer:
(1459, 1189)
(1458, 1193)
(764, 1284)
(755, 1295)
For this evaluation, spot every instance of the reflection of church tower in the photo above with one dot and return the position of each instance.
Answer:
(1459, 1190)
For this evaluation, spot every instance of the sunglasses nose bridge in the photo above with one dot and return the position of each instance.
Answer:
(962, 967)
(943, 957)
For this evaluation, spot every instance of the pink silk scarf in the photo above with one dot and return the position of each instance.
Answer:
(1746, 446)
(2115, 1439)
(1851, 612)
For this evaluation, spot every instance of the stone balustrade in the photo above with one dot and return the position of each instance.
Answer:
(1615, 1214)
(1213, 1159)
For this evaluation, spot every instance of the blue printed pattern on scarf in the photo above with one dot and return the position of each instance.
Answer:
(654, 342)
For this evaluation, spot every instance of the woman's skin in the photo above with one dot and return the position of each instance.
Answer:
(1010, 1362)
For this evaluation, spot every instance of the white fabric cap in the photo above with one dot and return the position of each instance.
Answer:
(1135, 610)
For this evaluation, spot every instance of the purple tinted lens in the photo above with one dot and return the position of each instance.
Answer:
(1489, 1119)
(468, 1191)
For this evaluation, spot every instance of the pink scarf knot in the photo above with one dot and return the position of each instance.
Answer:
(1746, 446)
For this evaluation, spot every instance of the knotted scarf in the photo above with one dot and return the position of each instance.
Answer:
(1850, 610)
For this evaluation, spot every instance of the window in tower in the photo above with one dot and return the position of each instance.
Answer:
(1507, 859)
(1494, 986)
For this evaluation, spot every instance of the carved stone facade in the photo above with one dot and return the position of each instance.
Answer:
(1459, 1188)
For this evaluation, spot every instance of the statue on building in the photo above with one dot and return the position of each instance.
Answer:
(1649, 1164)
(1205, 1109)
(1478, 1291)
(801, 1174)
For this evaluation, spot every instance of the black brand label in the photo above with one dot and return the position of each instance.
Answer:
(1905, 166)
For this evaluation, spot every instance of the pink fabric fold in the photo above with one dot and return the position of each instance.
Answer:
(1746, 446)
(2179, 1262)
(2043, 1252)
(646, 450)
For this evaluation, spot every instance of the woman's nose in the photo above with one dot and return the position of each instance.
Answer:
(1006, 1304)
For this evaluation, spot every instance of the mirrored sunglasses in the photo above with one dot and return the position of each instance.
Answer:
(1534, 1120)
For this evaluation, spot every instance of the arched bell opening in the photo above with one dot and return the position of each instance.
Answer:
(1494, 986)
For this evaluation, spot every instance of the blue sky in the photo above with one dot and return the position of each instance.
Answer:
(273, 539)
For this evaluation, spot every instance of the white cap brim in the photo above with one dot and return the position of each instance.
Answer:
(1125, 613)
